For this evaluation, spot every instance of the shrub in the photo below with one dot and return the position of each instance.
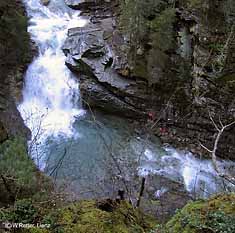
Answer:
(19, 176)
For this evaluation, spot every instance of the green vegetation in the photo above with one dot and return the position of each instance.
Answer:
(89, 217)
(82, 216)
(22, 212)
(26, 198)
(149, 26)
(194, 3)
(141, 18)
(14, 39)
(15, 163)
(162, 30)
(216, 47)
(134, 18)
(18, 175)
(34, 204)
(162, 41)
(215, 215)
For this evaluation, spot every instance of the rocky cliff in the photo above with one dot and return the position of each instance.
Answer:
(15, 55)
(168, 63)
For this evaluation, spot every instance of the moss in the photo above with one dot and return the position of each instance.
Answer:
(192, 4)
(85, 216)
(215, 215)
(88, 217)
(227, 81)
(22, 212)
(13, 33)
(227, 78)
(36, 230)
(140, 69)
(162, 30)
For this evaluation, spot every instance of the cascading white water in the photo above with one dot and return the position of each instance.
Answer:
(198, 175)
(51, 95)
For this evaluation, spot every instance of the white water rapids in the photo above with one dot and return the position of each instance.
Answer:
(51, 106)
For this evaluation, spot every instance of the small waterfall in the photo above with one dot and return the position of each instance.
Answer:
(51, 93)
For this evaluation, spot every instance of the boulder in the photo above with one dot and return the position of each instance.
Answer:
(80, 4)
(90, 54)
(97, 96)
(45, 2)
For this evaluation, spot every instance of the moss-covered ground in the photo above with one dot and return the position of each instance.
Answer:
(216, 215)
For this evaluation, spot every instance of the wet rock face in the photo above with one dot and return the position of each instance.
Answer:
(163, 196)
(90, 55)
(180, 83)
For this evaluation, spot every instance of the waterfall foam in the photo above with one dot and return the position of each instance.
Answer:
(51, 93)
(198, 175)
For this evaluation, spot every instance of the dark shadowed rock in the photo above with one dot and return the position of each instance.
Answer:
(88, 4)
(97, 96)
(163, 196)
(45, 2)
(81, 4)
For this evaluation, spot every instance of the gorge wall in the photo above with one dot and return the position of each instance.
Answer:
(16, 53)
(170, 64)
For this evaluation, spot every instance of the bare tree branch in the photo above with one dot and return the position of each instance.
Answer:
(221, 130)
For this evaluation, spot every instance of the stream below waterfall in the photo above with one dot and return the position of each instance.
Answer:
(92, 157)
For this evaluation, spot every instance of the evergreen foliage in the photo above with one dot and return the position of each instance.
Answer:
(19, 176)
(15, 163)
(14, 39)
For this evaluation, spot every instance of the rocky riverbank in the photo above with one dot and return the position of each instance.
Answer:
(183, 71)
(16, 54)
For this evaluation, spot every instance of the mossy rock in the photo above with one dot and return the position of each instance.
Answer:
(14, 38)
(227, 78)
(214, 215)
(162, 30)
(194, 3)
(227, 81)
(90, 217)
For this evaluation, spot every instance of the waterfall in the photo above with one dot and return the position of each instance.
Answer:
(51, 106)
(51, 94)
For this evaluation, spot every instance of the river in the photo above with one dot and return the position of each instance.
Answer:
(91, 156)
